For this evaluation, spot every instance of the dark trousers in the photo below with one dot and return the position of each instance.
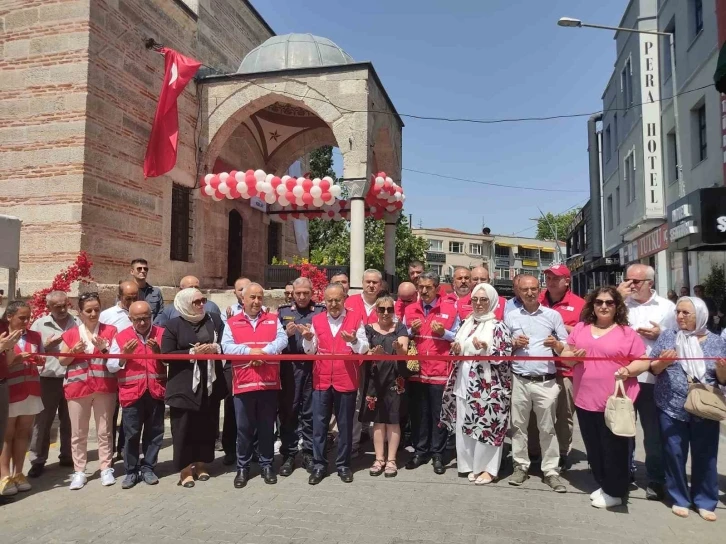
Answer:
(54, 401)
(229, 427)
(296, 408)
(427, 436)
(118, 430)
(255, 414)
(702, 435)
(325, 403)
(145, 417)
(607, 454)
(648, 416)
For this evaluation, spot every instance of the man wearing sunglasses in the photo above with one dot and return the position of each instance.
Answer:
(649, 314)
(147, 292)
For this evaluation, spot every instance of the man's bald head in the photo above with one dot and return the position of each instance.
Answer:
(140, 316)
(479, 274)
(128, 293)
(407, 291)
(189, 281)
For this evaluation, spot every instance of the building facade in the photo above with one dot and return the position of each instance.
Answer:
(506, 256)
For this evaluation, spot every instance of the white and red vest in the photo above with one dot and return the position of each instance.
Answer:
(432, 370)
(245, 377)
(463, 304)
(139, 375)
(339, 374)
(356, 304)
(23, 379)
(87, 376)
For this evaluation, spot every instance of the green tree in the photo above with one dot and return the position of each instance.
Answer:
(322, 234)
(546, 225)
(715, 284)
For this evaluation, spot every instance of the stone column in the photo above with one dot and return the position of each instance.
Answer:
(389, 252)
(357, 188)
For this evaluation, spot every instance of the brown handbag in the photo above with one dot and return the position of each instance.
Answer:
(706, 401)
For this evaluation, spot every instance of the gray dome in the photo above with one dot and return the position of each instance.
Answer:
(293, 51)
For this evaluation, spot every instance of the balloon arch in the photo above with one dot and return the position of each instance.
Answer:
(303, 197)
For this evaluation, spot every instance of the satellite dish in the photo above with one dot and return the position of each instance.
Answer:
(486, 231)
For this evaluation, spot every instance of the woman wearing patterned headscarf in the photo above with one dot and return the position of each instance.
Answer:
(191, 383)
(477, 397)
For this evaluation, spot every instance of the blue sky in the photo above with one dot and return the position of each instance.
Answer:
(482, 59)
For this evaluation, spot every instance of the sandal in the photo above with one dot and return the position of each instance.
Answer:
(186, 478)
(680, 511)
(484, 479)
(707, 514)
(200, 472)
(472, 476)
(391, 469)
(377, 468)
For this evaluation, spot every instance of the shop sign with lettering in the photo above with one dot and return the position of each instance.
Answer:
(653, 242)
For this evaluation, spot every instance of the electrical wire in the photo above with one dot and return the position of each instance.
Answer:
(495, 184)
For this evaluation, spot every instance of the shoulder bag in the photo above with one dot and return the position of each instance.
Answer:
(620, 412)
(706, 401)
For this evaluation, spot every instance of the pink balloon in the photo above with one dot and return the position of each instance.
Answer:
(290, 184)
(289, 196)
(331, 213)
(214, 182)
(250, 180)
(324, 186)
(283, 216)
(307, 184)
(326, 195)
(387, 184)
(295, 215)
(232, 173)
(381, 175)
(275, 182)
(250, 173)
(219, 195)
(376, 190)
(307, 199)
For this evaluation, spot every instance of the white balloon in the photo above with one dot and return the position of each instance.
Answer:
(403, 197)
(300, 180)
(316, 182)
(260, 175)
(259, 185)
(215, 198)
(268, 178)
(270, 198)
(281, 189)
(335, 190)
(266, 187)
(223, 188)
(208, 178)
(282, 201)
(317, 202)
(380, 181)
(389, 179)
(208, 190)
(373, 209)
(331, 201)
(239, 177)
(229, 195)
(242, 188)
(337, 217)
(223, 177)
(391, 208)
(298, 191)
(397, 196)
(315, 191)
(284, 178)
(299, 201)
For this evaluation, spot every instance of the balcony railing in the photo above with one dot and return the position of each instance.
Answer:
(435, 257)
(278, 275)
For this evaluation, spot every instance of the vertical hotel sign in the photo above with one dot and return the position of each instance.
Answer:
(650, 100)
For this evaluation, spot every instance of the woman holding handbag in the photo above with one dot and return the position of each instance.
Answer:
(679, 428)
(604, 334)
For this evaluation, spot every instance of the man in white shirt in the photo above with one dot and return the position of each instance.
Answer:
(118, 314)
(50, 328)
(649, 314)
(239, 291)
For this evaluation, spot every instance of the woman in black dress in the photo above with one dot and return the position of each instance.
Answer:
(191, 383)
(384, 384)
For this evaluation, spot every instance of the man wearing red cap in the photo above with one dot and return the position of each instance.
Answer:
(560, 298)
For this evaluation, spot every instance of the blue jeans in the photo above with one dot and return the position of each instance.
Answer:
(147, 413)
(324, 403)
(255, 412)
(702, 435)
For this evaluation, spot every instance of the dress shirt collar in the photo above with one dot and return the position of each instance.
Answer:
(337, 319)
(524, 310)
(632, 303)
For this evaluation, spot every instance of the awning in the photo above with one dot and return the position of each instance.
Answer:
(529, 247)
(503, 244)
(548, 249)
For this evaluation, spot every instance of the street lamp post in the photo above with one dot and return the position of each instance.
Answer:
(576, 23)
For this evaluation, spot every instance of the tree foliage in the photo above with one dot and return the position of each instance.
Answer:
(330, 240)
(715, 284)
(546, 225)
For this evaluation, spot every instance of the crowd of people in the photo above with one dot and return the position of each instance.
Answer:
(639, 342)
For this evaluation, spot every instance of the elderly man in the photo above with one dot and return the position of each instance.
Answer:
(141, 388)
(147, 292)
(480, 274)
(515, 302)
(335, 382)
(169, 312)
(240, 285)
(461, 296)
(50, 328)
(343, 280)
(649, 314)
(296, 396)
(432, 323)
(364, 304)
(118, 314)
(406, 295)
(537, 331)
(255, 384)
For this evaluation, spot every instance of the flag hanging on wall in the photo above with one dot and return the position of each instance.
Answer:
(161, 151)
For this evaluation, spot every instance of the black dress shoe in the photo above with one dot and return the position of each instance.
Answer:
(316, 476)
(35, 471)
(229, 459)
(241, 479)
(439, 467)
(65, 462)
(268, 474)
(416, 461)
(307, 462)
(345, 474)
(654, 491)
(288, 465)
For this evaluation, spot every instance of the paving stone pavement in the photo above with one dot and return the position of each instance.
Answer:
(415, 507)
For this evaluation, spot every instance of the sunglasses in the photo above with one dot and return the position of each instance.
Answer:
(142, 268)
(479, 300)
(600, 302)
(86, 296)
(385, 309)
(637, 282)
(199, 301)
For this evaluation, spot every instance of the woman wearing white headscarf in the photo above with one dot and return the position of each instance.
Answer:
(690, 344)
(477, 396)
(191, 384)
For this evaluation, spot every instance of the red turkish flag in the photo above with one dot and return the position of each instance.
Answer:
(161, 151)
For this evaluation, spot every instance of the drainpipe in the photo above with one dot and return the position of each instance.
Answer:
(596, 193)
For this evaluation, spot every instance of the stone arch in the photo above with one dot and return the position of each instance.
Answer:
(298, 146)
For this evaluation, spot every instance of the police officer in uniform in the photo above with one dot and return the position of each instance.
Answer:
(295, 403)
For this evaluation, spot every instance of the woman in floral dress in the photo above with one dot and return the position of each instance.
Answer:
(478, 393)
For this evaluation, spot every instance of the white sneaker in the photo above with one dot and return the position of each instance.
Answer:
(595, 494)
(606, 501)
(107, 477)
(79, 480)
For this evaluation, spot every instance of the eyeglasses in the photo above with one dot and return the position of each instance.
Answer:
(385, 309)
(140, 318)
(478, 300)
(142, 268)
(684, 313)
(600, 302)
(199, 301)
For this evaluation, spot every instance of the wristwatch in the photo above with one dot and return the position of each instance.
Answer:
(104, 351)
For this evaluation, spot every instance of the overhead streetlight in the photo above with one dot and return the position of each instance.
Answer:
(577, 23)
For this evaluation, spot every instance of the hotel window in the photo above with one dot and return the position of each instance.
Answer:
(701, 151)
(608, 144)
(615, 132)
(629, 176)
(697, 17)
(617, 205)
(610, 212)
(672, 157)
(666, 48)
(626, 84)
(475, 249)
(502, 252)
(181, 224)
(436, 245)
(456, 247)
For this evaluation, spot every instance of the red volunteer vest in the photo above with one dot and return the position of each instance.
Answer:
(570, 308)
(23, 379)
(138, 375)
(433, 371)
(245, 377)
(355, 304)
(87, 376)
(3, 357)
(338, 374)
(463, 304)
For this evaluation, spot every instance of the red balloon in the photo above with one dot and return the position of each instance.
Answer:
(331, 213)
(388, 184)
(307, 198)
(283, 216)
(250, 180)
(307, 184)
(250, 173)
(381, 175)
(290, 184)
(376, 190)
(215, 181)
(219, 195)
(295, 215)
(289, 196)
(275, 182)
(233, 192)
(324, 186)
(232, 173)
(325, 196)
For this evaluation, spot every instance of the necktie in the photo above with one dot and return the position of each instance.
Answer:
(427, 309)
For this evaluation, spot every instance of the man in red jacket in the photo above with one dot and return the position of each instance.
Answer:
(461, 296)
(335, 382)
(432, 323)
(141, 385)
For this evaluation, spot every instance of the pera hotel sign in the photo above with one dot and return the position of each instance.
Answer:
(652, 153)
